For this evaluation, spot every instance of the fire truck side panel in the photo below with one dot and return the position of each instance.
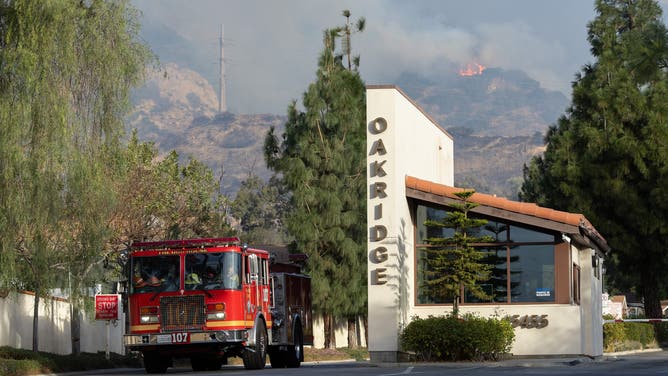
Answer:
(291, 304)
(299, 301)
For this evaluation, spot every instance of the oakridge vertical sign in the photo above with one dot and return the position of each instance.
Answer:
(378, 232)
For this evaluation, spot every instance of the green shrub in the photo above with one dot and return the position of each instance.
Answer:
(641, 332)
(621, 336)
(12, 367)
(613, 336)
(449, 338)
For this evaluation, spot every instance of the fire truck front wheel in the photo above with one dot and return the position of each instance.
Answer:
(256, 357)
(154, 363)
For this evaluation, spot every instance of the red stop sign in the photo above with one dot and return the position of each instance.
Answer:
(106, 307)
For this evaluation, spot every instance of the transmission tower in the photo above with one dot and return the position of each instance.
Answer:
(222, 99)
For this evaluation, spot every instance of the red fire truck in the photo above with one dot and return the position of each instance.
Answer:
(211, 299)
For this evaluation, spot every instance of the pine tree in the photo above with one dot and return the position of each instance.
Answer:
(607, 157)
(453, 262)
(321, 161)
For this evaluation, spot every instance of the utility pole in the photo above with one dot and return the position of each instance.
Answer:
(222, 100)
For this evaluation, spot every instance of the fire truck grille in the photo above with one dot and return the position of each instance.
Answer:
(182, 312)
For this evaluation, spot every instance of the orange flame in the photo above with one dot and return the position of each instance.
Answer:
(472, 69)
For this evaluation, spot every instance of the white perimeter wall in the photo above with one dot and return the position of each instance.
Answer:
(16, 320)
(16, 312)
(340, 331)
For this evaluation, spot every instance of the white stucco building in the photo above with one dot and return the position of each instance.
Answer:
(547, 264)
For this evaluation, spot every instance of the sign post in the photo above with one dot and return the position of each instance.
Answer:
(106, 308)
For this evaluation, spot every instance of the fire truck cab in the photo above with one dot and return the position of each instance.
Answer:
(211, 299)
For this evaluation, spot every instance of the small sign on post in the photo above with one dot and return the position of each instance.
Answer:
(106, 306)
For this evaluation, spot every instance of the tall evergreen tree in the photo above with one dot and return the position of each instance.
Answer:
(321, 160)
(607, 157)
(453, 262)
(66, 70)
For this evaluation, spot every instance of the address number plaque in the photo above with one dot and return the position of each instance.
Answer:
(529, 321)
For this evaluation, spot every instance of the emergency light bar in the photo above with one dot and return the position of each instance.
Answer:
(186, 243)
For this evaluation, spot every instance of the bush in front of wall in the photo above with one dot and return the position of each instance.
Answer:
(624, 336)
(454, 338)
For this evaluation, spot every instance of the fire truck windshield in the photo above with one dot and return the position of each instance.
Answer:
(155, 274)
(212, 271)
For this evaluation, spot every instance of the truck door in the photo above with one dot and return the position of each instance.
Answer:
(252, 289)
(264, 287)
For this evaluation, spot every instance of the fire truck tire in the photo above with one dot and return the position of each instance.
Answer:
(153, 363)
(296, 352)
(256, 357)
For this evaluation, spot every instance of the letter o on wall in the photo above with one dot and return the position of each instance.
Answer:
(378, 125)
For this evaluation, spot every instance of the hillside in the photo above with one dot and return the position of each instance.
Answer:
(492, 164)
(497, 119)
(177, 110)
(493, 103)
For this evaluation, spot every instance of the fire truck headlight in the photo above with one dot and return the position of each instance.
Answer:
(216, 316)
(148, 315)
(148, 319)
(215, 311)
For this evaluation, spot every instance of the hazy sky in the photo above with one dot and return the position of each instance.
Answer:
(272, 47)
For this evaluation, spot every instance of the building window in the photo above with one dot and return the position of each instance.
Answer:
(576, 284)
(521, 259)
(425, 293)
(497, 285)
(532, 273)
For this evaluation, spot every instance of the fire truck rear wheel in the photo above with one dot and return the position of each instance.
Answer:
(296, 352)
(257, 357)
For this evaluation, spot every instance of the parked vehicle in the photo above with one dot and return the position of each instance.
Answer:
(211, 299)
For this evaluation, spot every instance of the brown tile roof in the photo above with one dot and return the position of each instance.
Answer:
(498, 202)
(577, 221)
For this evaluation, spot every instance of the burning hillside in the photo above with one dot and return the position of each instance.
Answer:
(472, 69)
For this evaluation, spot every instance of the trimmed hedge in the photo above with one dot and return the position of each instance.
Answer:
(623, 336)
(449, 338)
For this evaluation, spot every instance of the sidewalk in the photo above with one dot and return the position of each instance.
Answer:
(554, 361)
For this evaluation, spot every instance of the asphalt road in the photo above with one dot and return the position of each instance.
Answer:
(647, 363)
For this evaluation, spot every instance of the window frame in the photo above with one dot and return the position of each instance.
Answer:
(508, 245)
